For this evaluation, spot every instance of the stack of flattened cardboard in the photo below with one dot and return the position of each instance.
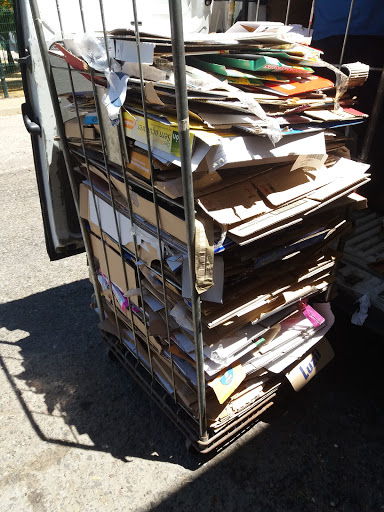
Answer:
(271, 177)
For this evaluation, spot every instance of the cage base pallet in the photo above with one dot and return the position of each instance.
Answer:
(175, 412)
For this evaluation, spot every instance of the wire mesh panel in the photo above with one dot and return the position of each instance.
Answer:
(10, 74)
(210, 179)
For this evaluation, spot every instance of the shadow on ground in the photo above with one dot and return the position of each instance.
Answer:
(66, 361)
(326, 453)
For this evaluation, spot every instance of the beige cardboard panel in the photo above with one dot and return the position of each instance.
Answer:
(233, 204)
(84, 201)
(282, 186)
(115, 266)
(72, 129)
(341, 197)
(168, 222)
(310, 365)
(119, 186)
(125, 318)
(357, 201)
(146, 209)
(171, 188)
(343, 175)
(274, 217)
(337, 186)
(265, 232)
(146, 255)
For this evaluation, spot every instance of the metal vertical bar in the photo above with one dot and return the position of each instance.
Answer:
(105, 32)
(346, 32)
(97, 293)
(102, 233)
(114, 208)
(89, 174)
(257, 10)
(287, 12)
(230, 13)
(3, 81)
(123, 160)
(63, 140)
(373, 120)
(99, 218)
(103, 144)
(154, 195)
(176, 19)
(310, 21)
(110, 190)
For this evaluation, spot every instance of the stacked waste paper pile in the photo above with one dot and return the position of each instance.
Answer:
(272, 179)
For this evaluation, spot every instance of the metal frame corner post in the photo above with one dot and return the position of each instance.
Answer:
(63, 141)
(176, 20)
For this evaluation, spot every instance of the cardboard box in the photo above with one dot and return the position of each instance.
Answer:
(114, 269)
(274, 197)
(139, 162)
(310, 365)
(72, 130)
(148, 248)
(169, 222)
(162, 137)
(219, 150)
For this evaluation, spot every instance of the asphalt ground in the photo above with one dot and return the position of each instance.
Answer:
(77, 434)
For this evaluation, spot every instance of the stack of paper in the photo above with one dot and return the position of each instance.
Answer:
(271, 177)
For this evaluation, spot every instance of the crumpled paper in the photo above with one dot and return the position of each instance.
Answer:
(359, 317)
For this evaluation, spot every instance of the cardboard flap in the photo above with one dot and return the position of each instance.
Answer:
(227, 382)
(283, 186)
(233, 204)
(204, 248)
(273, 217)
(310, 365)
(247, 150)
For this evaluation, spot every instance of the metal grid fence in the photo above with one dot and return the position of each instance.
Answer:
(10, 75)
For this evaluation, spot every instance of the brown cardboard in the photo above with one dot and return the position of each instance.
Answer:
(310, 365)
(125, 321)
(139, 162)
(72, 129)
(296, 276)
(283, 186)
(114, 270)
(273, 217)
(147, 254)
(234, 204)
(273, 197)
(169, 222)
(162, 368)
